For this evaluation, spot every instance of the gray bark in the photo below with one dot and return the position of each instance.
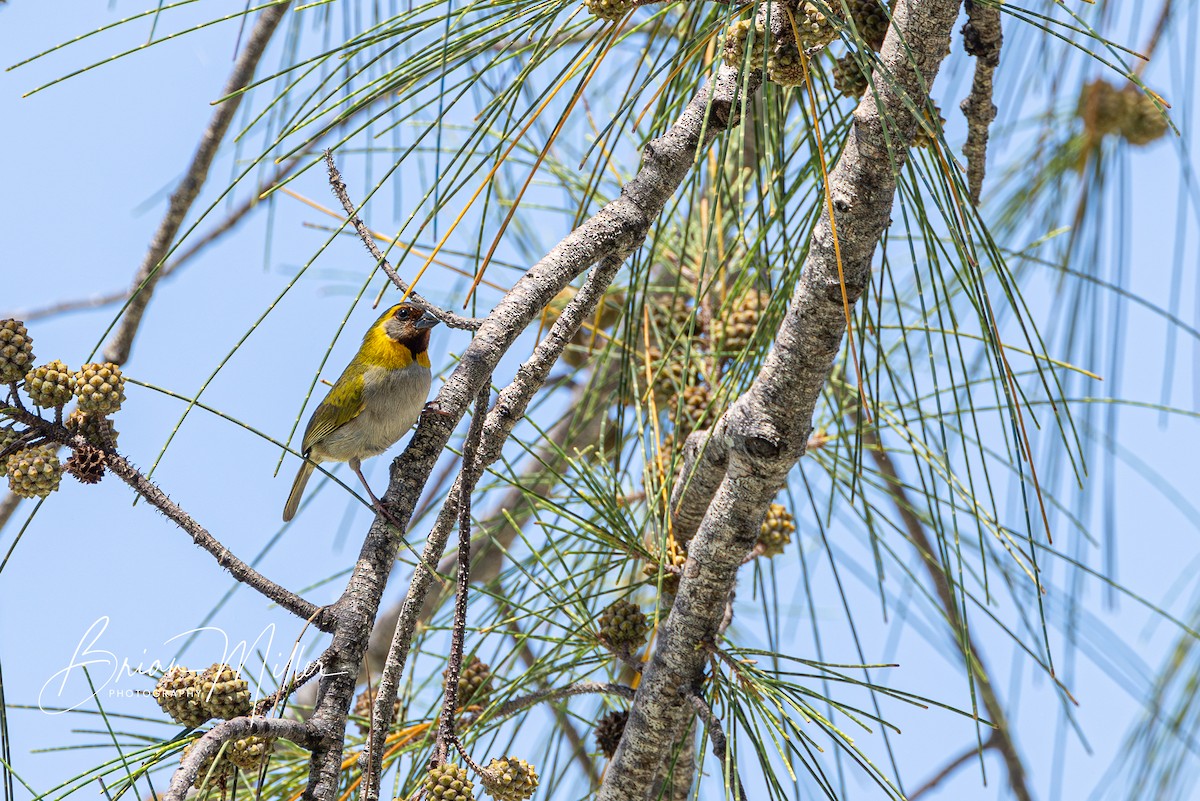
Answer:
(766, 431)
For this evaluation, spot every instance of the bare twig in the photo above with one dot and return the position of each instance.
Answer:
(148, 275)
(767, 429)
(720, 744)
(952, 766)
(154, 495)
(1001, 737)
(210, 744)
(339, 190)
(555, 693)
(982, 38)
(310, 671)
(468, 477)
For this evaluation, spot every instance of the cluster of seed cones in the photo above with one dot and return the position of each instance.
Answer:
(193, 698)
(32, 463)
(1129, 113)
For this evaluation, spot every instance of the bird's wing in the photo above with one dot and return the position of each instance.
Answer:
(343, 403)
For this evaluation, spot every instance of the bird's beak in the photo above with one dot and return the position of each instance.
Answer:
(426, 321)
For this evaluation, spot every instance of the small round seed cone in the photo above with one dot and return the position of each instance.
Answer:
(692, 412)
(34, 472)
(609, 730)
(1144, 122)
(363, 706)
(623, 627)
(784, 67)
(870, 20)
(250, 753)
(50, 385)
(223, 692)
(848, 77)
(95, 428)
(178, 693)
(213, 772)
(816, 29)
(474, 682)
(87, 465)
(923, 137)
(776, 530)
(610, 10)
(509, 779)
(448, 782)
(100, 387)
(16, 351)
(737, 35)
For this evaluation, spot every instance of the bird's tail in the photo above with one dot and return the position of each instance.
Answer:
(293, 501)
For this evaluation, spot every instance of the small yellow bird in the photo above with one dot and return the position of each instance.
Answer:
(375, 401)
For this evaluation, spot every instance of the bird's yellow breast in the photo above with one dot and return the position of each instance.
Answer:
(380, 350)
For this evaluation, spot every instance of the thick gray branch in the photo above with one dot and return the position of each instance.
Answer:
(767, 429)
(193, 180)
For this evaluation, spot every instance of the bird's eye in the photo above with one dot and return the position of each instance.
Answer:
(402, 314)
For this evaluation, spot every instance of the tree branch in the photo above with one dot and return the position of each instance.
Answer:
(193, 180)
(153, 495)
(1001, 736)
(554, 693)
(339, 190)
(210, 744)
(611, 235)
(982, 38)
(468, 478)
(766, 430)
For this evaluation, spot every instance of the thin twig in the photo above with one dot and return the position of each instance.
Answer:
(1001, 735)
(720, 744)
(471, 471)
(338, 186)
(185, 194)
(952, 766)
(154, 495)
(982, 38)
(313, 668)
(554, 693)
